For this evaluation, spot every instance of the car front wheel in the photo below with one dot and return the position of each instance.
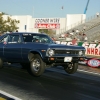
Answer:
(37, 66)
(71, 68)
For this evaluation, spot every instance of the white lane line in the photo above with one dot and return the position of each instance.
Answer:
(9, 95)
(79, 70)
(88, 72)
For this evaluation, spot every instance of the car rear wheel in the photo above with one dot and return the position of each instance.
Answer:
(1, 63)
(37, 66)
(71, 68)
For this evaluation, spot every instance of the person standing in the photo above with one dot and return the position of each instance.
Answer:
(97, 14)
(84, 28)
(74, 41)
(77, 31)
(16, 30)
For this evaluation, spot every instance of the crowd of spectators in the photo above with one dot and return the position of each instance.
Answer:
(75, 35)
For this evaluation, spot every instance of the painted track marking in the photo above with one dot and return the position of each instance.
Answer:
(9, 95)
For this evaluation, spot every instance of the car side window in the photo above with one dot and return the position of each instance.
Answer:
(13, 39)
(4, 39)
(27, 38)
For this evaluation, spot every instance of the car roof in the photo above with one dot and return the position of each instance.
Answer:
(22, 33)
(26, 33)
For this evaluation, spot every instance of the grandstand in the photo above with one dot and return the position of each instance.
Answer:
(92, 29)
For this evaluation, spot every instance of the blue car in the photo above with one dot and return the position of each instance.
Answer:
(37, 51)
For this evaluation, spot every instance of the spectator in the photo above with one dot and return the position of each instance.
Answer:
(53, 38)
(36, 40)
(80, 36)
(16, 30)
(84, 37)
(10, 31)
(77, 31)
(67, 34)
(84, 28)
(97, 14)
(98, 42)
(73, 30)
(72, 33)
(74, 41)
(68, 37)
(62, 35)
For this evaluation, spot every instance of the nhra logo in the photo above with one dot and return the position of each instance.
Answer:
(93, 62)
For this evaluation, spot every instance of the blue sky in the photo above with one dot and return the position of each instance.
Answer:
(49, 8)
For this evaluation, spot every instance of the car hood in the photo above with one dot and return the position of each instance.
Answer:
(54, 46)
(68, 47)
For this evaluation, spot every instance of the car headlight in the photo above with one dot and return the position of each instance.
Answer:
(50, 52)
(80, 53)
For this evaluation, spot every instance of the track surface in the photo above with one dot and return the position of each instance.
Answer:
(54, 84)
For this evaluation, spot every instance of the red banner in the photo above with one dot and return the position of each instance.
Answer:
(47, 26)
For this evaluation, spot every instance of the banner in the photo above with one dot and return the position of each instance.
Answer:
(47, 26)
(47, 23)
(91, 48)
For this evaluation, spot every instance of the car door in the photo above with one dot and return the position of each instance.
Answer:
(12, 49)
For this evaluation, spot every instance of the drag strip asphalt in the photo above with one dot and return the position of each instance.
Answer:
(54, 84)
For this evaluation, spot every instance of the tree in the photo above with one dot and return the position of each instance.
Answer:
(8, 24)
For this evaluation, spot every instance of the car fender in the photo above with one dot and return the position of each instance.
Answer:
(32, 52)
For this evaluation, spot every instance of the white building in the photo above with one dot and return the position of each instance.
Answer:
(29, 24)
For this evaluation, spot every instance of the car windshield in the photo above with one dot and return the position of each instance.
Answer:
(37, 38)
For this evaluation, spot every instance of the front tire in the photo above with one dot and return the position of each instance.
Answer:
(71, 68)
(37, 66)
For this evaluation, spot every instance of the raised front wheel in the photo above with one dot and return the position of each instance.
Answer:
(71, 68)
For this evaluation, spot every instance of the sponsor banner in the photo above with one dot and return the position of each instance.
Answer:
(47, 20)
(47, 26)
(91, 48)
(93, 51)
(47, 23)
(93, 62)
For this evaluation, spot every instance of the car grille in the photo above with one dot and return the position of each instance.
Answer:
(67, 52)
